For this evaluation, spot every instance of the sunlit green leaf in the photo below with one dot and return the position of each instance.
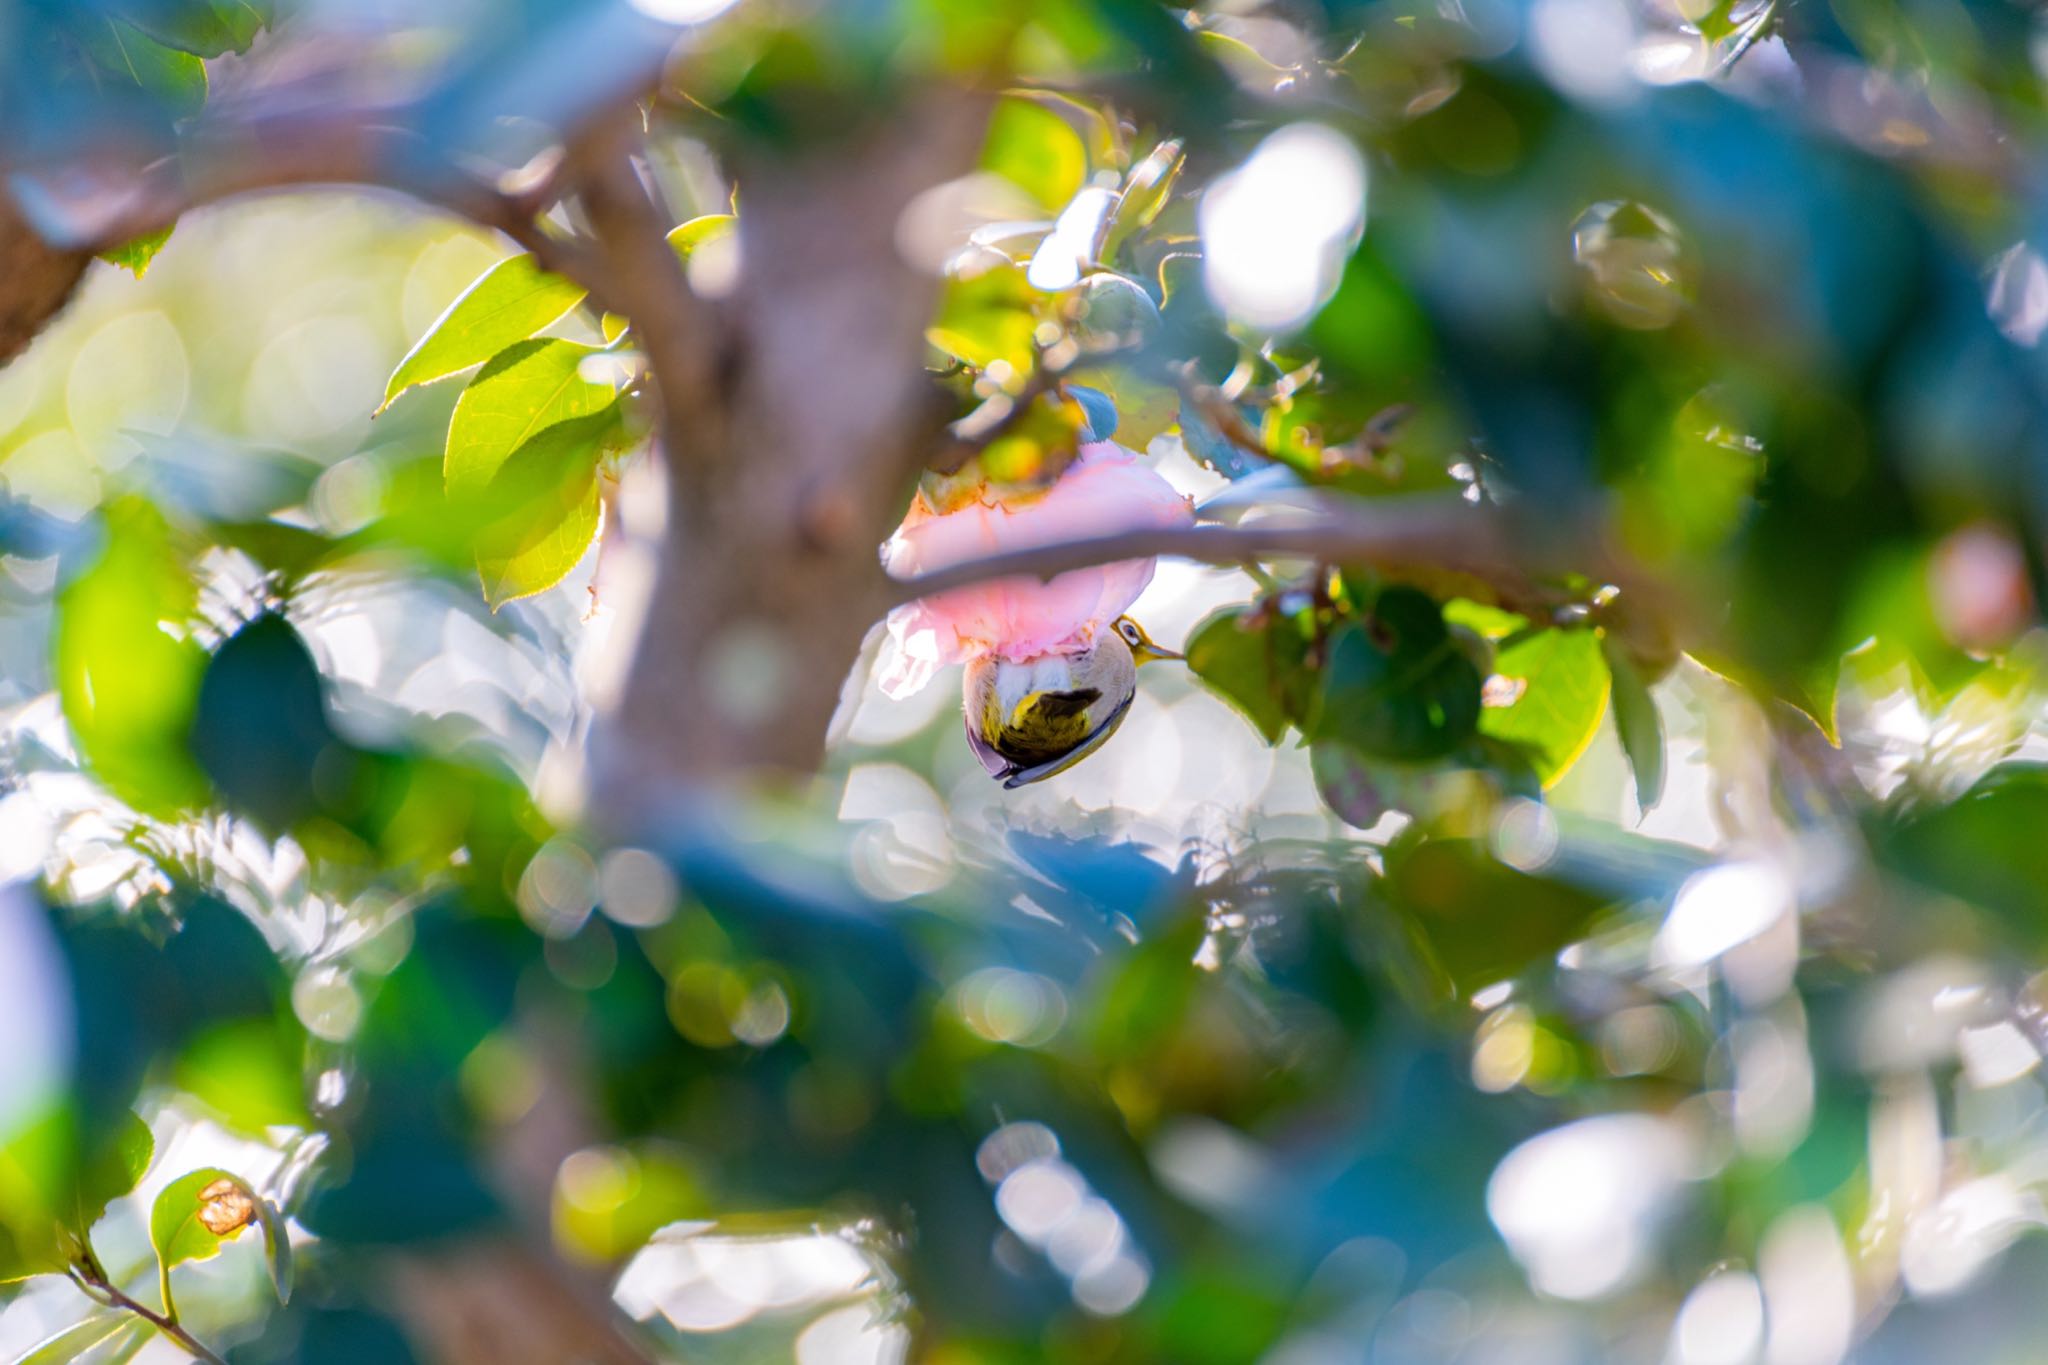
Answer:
(523, 391)
(988, 318)
(550, 486)
(135, 256)
(1036, 150)
(127, 673)
(69, 1343)
(192, 1216)
(508, 303)
(687, 237)
(1553, 684)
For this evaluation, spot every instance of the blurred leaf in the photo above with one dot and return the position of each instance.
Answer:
(192, 1216)
(1110, 313)
(126, 56)
(1257, 661)
(1640, 727)
(1207, 442)
(127, 673)
(69, 1343)
(1985, 847)
(1036, 150)
(1145, 192)
(1478, 920)
(260, 729)
(277, 1249)
(1100, 411)
(204, 28)
(245, 1071)
(1562, 693)
(1144, 407)
(986, 318)
(1397, 686)
(126, 1344)
(508, 303)
(135, 256)
(710, 227)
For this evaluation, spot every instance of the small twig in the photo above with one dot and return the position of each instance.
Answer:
(92, 1281)
(193, 1346)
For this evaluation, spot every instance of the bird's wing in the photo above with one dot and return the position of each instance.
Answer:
(1019, 777)
(991, 761)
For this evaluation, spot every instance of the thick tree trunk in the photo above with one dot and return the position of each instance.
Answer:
(779, 498)
(36, 280)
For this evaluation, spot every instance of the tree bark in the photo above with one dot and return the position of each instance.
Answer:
(36, 280)
(781, 492)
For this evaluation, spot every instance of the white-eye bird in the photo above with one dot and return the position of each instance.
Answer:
(1029, 719)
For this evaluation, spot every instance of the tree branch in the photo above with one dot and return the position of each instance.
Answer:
(88, 209)
(642, 271)
(1447, 533)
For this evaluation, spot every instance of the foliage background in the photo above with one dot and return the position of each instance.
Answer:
(1462, 1032)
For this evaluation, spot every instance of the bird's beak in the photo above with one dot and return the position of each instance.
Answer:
(1151, 653)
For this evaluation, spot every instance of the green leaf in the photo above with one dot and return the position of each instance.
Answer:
(192, 1216)
(1100, 411)
(134, 257)
(126, 1344)
(687, 237)
(1145, 193)
(508, 303)
(550, 490)
(128, 58)
(1398, 686)
(73, 1341)
(987, 318)
(1985, 847)
(1640, 727)
(1478, 920)
(127, 675)
(277, 1249)
(524, 390)
(204, 28)
(1036, 150)
(245, 1070)
(1262, 671)
(1556, 682)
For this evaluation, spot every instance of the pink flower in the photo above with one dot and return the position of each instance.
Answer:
(1105, 490)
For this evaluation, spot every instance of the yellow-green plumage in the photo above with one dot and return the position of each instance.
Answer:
(1028, 719)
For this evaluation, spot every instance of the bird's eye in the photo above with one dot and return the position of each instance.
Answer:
(1129, 632)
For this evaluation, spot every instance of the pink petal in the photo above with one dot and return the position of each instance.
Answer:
(1106, 490)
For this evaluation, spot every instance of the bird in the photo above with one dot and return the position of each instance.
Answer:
(1030, 719)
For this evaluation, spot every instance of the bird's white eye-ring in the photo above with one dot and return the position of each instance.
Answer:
(1129, 631)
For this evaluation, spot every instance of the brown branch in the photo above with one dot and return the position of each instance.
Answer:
(238, 152)
(1423, 534)
(1447, 533)
(630, 230)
